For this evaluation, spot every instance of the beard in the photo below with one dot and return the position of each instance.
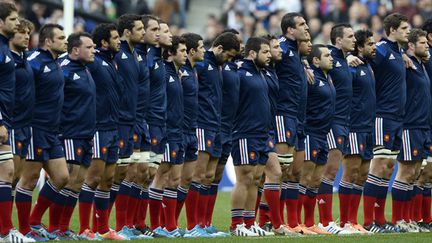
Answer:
(259, 63)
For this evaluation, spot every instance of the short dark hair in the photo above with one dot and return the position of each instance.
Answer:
(315, 52)
(361, 37)
(127, 22)
(234, 31)
(192, 40)
(47, 32)
(6, 8)
(228, 41)
(24, 23)
(288, 21)
(176, 41)
(102, 32)
(337, 31)
(415, 35)
(393, 20)
(269, 37)
(74, 40)
(146, 19)
(254, 44)
(427, 26)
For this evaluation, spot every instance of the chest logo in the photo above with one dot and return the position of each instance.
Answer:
(362, 73)
(76, 76)
(248, 74)
(210, 68)
(7, 60)
(123, 56)
(291, 54)
(46, 69)
(338, 64)
(391, 57)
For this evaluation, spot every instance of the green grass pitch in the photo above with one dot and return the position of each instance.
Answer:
(221, 219)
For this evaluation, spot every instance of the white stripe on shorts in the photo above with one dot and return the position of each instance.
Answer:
(30, 152)
(201, 139)
(406, 145)
(280, 129)
(331, 140)
(307, 149)
(379, 136)
(244, 154)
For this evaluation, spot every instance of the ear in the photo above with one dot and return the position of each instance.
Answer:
(411, 45)
(104, 43)
(316, 60)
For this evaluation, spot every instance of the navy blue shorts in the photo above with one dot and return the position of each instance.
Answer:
(286, 130)
(360, 143)
(157, 140)
(388, 133)
(78, 151)
(301, 137)
(126, 143)
(316, 149)
(190, 145)
(416, 145)
(337, 138)
(106, 146)
(226, 139)
(19, 140)
(174, 153)
(141, 137)
(210, 142)
(44, 146)
(250, 151)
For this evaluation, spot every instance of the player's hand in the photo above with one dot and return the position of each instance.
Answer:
(3, 134)
(310, 76)
(354, 61)
(408, 62)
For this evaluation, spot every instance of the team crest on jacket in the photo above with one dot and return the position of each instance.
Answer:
(386, 137)
(252, 155)
(79, 151)
(173, 154)
(314, 153)
(415, 152)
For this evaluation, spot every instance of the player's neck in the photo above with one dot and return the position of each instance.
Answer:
(3, 34)
(16, 49)
(130, 44)
(191, 61)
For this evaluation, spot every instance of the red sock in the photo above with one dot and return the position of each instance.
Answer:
(85, 211)
(416, 213)
(65, 218)
(292, 206)
(202, 205)
(170, 201)
(379, 211)
(368, 209)
(6, 204)
(210, 208)
(353, 210)
(263, 214)
(397, 210)
(407, 210)
(309, 208)
(272, 195)
(42, 204)
(281, 208)
(249, 218)
(155, 207)
(191, 206)
(258, 199)
(23, 202)
(132, 209)
(142, 213)
(95, 219)
(426, 206)
(325, 205)
(121, 204)
(236, 217)
(345, 189)
(300, 205)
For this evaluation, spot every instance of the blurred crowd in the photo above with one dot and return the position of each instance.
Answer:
(250, 17)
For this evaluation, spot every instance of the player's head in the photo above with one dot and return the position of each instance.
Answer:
(81, 47)
(427, 26)
(342, 36)
(165, 35)
(258, 50)
(8, 19)
(107, 37)
(417, 43)
(52, 38)
(305, 46)
(365, 44)
(194, 46)
(275, 49)
(225, 47)
(131, 28)
(396, 27)
(238, 34)
(320, 57)
(294, 25)
(151, 26)
(21, 38)
(177, 51)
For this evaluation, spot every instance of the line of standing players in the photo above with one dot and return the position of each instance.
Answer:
(147, 120)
